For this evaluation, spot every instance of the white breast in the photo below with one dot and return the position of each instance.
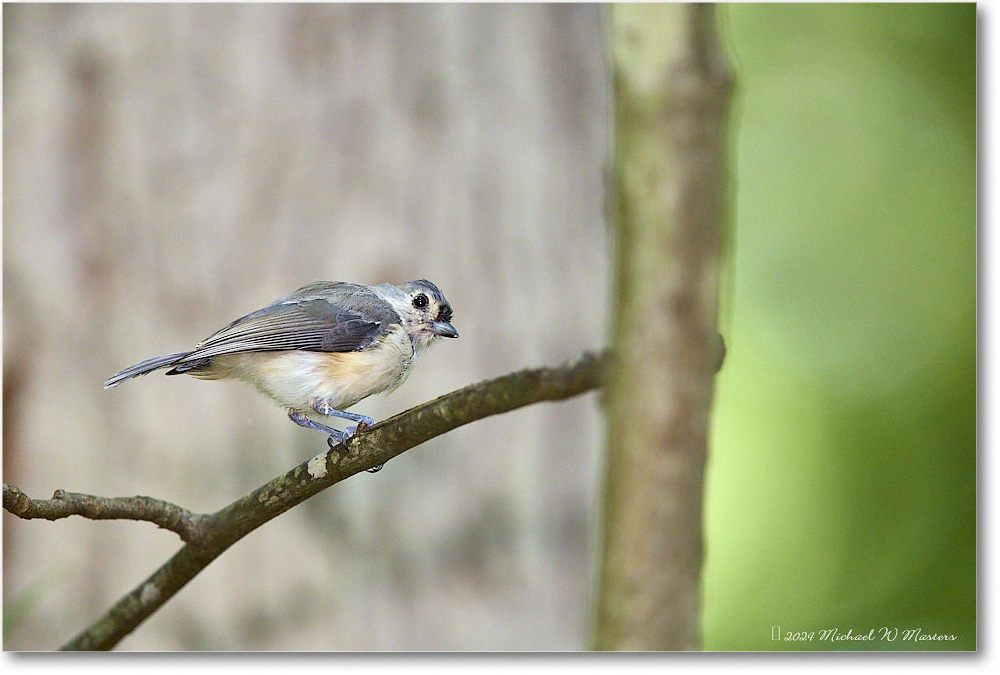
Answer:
(299, 380)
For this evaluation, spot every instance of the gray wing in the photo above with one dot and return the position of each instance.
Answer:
(323, 317)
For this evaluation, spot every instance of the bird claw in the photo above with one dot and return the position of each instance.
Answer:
(339, 440)
(336, 445)
(341, 437)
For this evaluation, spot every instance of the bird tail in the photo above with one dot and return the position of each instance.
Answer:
(143, 367)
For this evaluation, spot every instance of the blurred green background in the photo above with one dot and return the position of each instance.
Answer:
(842, 485)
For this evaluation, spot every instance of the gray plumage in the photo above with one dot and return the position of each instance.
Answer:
(325, 316)
(321, 349)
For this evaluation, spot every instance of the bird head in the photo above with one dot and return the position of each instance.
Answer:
(424, 311)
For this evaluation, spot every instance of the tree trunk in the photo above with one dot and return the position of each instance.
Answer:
(671, 88)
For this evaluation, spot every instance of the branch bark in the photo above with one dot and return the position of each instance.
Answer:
(64, 504)
(671, 89)
(207, 536)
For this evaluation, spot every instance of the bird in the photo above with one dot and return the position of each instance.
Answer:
(321, 349)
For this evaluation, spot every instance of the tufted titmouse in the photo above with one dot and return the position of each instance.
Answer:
(321, 349)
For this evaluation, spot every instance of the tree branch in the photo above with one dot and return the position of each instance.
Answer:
(207, 536)
(64, 504)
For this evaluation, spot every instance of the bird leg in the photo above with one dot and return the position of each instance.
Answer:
(324, 408)
(335, 436)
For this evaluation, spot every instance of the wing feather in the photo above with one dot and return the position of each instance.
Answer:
(325, 316)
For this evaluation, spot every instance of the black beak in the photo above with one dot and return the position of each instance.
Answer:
(444, 329)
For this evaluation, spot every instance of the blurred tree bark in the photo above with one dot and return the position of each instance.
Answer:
(671, 88)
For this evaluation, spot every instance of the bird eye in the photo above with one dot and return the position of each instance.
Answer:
(420, 301)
